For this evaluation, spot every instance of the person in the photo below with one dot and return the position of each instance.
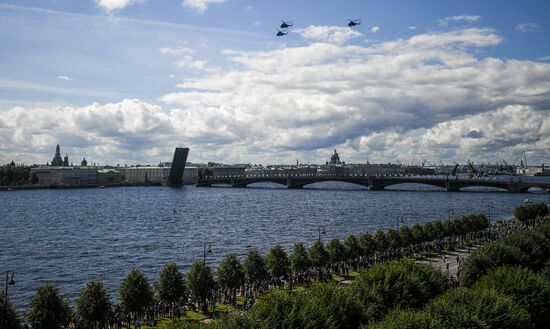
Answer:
(448, 267)
(175, 211)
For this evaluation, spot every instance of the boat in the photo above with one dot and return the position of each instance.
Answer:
(526, 201)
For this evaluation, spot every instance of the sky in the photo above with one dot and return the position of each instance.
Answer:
(125, 81)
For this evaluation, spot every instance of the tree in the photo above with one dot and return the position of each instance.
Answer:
(135, 293)
(400, 319)
(533, 244)
(438, 229)
(277, 262)
(394, 239)
(272, 309)
(47, 310)
(489, 257)
(530, 211)
(230, 276)
(8, 317)
(525, 287)
(255, 270)
(171, 285)
(201, 282)
(406, 236)
(419, 233)
(299, 261)
(402, 284)
(335, 250)
(368, 244)
(352, 247)
(484, 308)
(381, 241)
(93, 304)
(317, 254)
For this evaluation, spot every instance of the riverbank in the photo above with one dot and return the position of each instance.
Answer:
(48, 187)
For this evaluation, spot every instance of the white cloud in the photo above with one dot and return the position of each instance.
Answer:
(176, 51)
(256, 23)
(459, 18)
(412, 27)
(331, 34)
(248, 8)
(375, 29)
(544, 58)
(429, 94)
(111, 5)
(526, 27)
(200, 5)
(64, 77)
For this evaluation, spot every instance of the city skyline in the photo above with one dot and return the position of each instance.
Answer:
(126, 81)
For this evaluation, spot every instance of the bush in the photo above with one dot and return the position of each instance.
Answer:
(399, 284)
(530, 211)
(469, 308)
(236, 321)
(47, 310)
(525, 287)
(8, 317)
(272, 309)
(410, 320)
(325, 306)
(533, 244)
(489, 257)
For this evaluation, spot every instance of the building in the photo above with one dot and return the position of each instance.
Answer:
(109, 176)
(52, 176)
(57, 161)
(140, 175)
(228, 171)
(190, 175)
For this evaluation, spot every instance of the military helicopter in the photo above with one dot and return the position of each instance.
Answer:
(281, 33)
(287, 24)
(354, 22)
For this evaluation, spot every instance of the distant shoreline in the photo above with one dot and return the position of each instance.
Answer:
(51, 187)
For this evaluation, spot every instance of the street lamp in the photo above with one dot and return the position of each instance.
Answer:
(451, 212)
(209, 250)
(400, 220)
(321, 231)
(489, 207)
(9, 281)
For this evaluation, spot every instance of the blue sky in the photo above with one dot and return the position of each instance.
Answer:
(123, 81)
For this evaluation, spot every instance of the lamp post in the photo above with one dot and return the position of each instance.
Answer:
(209, 250)
(451, 212)
(9, 281)
(489, 207)
(321, 231)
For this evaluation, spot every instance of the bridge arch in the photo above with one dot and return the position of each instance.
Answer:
(419, 187)
(329, 183)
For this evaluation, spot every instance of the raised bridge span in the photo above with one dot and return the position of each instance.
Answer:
(376, 182)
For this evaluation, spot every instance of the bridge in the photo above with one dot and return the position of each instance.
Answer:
(375, 182)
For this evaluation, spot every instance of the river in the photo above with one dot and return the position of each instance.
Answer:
(68, 237)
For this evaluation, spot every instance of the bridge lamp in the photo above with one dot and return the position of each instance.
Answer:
(9, 281)
(321, 231)
(205, 250)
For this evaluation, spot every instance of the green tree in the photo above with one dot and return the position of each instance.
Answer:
(273, 309)
(394, 239)
(93, 305)
(255, 270)
(525, 287)
(381, 241)
(335, 250)
(318, 256)
(402, 284)
(8, 317)
(135, 293)
(171, 284)
(469, 308)
(401, 319)
(430, 232)
(230, 276)
(533, 244)
(352, 247)
(277, 262)
(47, 310)
(299, 261)
(438, 229)
(326, 306)
(487, 258)
(406, 236)
(419, 233)
(368, 244)
(201, 282)
(530, 211)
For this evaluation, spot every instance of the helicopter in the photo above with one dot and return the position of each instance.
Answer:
(281, 33)
(287, 24)
(354, 22)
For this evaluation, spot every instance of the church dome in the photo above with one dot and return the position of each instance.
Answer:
(335, 158)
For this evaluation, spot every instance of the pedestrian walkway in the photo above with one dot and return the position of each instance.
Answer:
(449, 262)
